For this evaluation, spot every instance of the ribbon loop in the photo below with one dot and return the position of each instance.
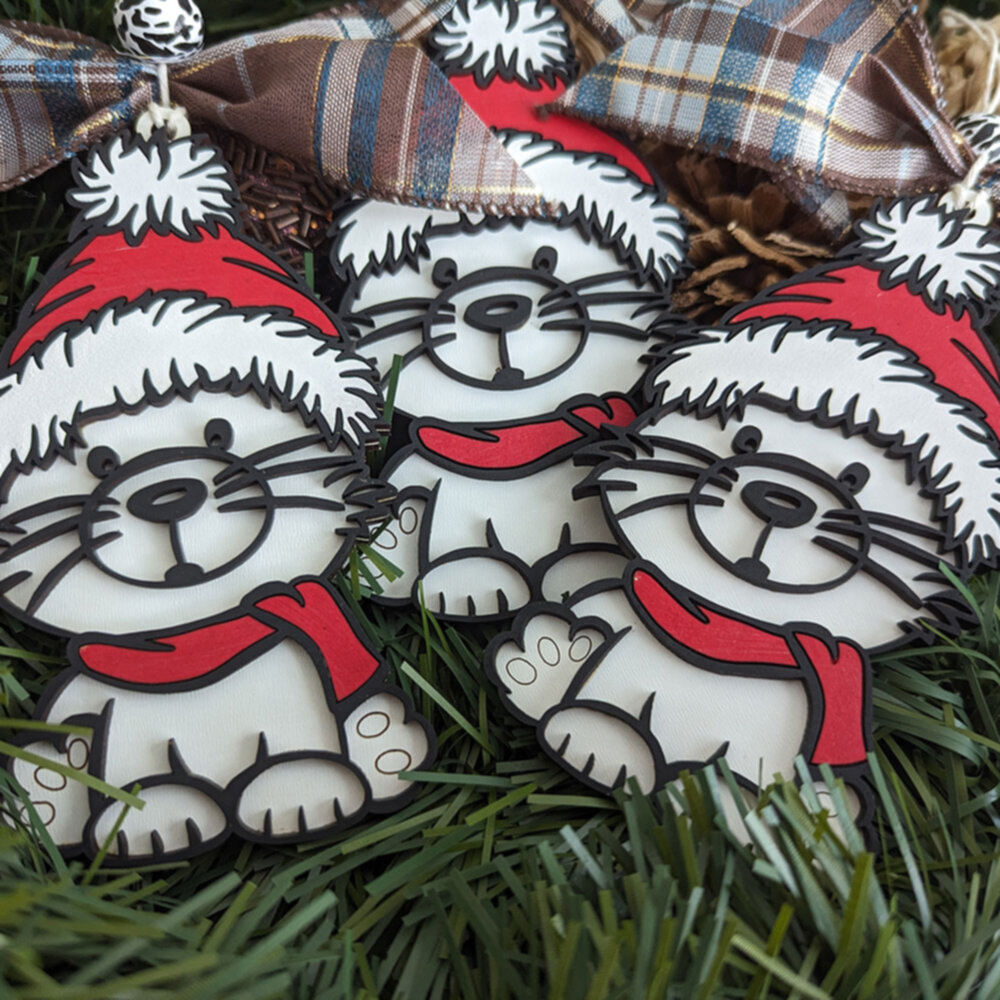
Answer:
(841, 95)
(340, 93)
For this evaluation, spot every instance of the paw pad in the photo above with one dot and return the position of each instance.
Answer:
(536, 671)
(381, 742)
(60, 803)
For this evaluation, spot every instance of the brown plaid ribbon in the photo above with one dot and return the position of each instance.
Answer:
(826, 95)
(341, 93)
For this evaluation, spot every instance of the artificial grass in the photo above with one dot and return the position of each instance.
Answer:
(505, 878)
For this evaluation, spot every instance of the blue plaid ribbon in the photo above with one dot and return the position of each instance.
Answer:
(331, 92)
(826, 95)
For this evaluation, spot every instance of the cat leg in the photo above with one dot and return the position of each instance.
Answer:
(384, 736)
(297, 796)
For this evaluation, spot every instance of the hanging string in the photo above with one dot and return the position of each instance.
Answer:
(162, 113)
(967, 194)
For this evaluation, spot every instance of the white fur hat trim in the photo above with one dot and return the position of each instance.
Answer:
(145, 352)
(866, 383)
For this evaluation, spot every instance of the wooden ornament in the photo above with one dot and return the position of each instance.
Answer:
(519, 339)
(787, 501)
(185, 428)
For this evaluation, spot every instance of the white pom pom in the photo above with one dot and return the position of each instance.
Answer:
(134, 185)
(937, 250)
(523, 40)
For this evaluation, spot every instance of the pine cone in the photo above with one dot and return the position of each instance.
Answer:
(745, 233)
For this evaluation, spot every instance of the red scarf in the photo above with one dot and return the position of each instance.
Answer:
(716, 636)
(518, 445)
(314, 615)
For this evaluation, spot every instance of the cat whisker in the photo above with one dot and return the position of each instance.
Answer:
(409, 324)
(51, 532)
(281, 471)
(613, 298)
(679, 469)
(256, 458)
(9, 582)
(272, 502)
(671, 500)
(607, 278)
(52, 506)
(884, 520)
(424, 346)
(64, 566)
(687, 448)
(880, 538)
(590, 325)
(394, 305)
(876, 571)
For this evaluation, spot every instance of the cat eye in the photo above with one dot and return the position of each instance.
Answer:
(445, 272)
(102, 461)
(545, 259)
(748, 440)
(854, 477)
(219, 433)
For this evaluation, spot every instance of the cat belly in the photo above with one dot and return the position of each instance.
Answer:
(216, 728)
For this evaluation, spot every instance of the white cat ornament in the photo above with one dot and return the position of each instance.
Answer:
(788, 499)
(518, 339)
(184, 430)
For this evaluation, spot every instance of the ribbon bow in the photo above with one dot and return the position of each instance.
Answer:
(341, 93)
(831, 96)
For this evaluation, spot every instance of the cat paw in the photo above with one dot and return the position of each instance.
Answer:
(176, 821)
(535, 663)
(398, 542)
(61, 804)
(298, 796)
(475, 586)
(383, 738)
(601, 749)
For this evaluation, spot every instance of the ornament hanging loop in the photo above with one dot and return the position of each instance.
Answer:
(163, 113)
(968, 195)
(160, 32)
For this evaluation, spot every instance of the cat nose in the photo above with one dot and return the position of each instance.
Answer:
(499, 313)
(169, 501)
(779, 505)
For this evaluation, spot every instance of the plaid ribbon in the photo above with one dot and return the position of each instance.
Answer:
(341, 93)
(825, 95)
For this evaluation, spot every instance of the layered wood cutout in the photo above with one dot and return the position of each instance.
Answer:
(185, 429)
(787, 499)
(518, 338)
(507, 330)
(511, 58)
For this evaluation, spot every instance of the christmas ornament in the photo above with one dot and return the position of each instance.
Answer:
(519, 339)
(281, 89)
(185, 427)
(787, 501)
(510, 59)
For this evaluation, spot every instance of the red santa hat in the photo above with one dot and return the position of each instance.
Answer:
(509, 59)
(885, 341)
(160, 293)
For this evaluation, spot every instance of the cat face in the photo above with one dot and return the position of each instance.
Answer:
(175, 512)
(505, 321)
(781, 519)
